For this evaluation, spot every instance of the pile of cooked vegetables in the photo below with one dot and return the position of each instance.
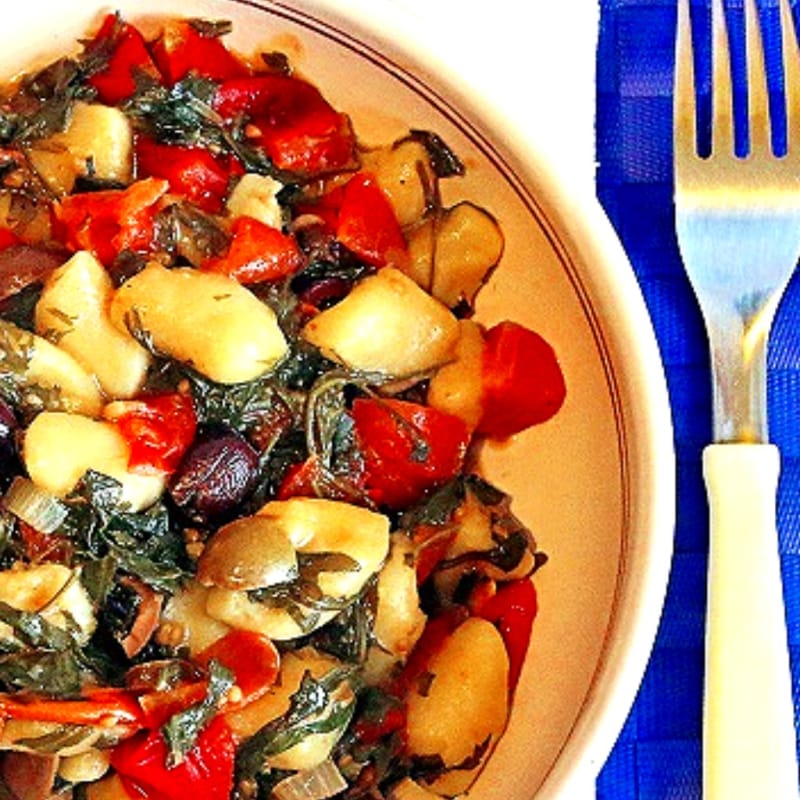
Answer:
(244, 549)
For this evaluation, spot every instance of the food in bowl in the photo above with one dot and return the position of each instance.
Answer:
(245, 547)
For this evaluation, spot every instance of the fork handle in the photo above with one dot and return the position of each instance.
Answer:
(748, 726)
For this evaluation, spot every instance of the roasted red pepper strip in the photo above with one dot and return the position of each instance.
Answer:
(257, 253)
(127, 57)
(522, 381)
(408, 448)
(367, 224)
(206, 773)
(158, 429)
(252, 657)
(290, 120)
(512, 609)
(182, 48)
(107, 707)
(108, 222)
(191, 171)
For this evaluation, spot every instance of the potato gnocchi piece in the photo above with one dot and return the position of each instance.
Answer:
(256, 196)
(203, 319)
(388, 325)
(399, 620)
(468, 246)
(59, 448)
(465, 702)
(53, 375)
(86, 766)
(97, 143)
(457, 387)
(190, 623)
(316, 747)
(54, 591)
(73, 311)
(329, 529)
(453, 252)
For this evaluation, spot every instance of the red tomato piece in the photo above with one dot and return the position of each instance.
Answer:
(523, 384)
(190, 171)
(206, 773)
(326, 208)
(299, 480)
(512, 609)
(8, 238)
(408, 448)
(127, 57)
(367, 224)
(290, 120)
(252, 657)
(159, 430)
(108, 222)
(183, 48)
(257, 253)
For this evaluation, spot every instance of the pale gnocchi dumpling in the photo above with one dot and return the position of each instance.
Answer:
(386, 324)
(399, 619)
(453, 252)
(73, 311)
(52, 374)
(185, 611)
(204, 319)
(457, 387)
(465, 701)
(256, 196)
(97, 142)
(316, 747)
(59, 448)
(53, 590)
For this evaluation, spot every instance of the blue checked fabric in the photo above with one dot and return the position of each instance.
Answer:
(658, 755)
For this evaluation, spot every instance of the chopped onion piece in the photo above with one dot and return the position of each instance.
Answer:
(36, 506)
(316, 783)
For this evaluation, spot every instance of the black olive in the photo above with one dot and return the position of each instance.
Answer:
(9, 463)
(217, 473)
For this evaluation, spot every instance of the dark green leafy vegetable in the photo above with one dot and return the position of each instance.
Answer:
(144, 544)
(44, 657)
(182, 729)
(444, 161)
(312, 709)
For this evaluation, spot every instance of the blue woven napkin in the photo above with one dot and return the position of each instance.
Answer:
(658, 755)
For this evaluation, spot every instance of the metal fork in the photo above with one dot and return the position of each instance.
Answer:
(738, 225)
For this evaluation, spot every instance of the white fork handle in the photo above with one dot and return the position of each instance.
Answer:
(749, 735)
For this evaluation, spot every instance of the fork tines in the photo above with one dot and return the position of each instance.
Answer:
(722, 116)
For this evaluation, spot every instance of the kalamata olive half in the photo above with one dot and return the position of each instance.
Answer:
(8, 451)
(248, 553)
(216, 474)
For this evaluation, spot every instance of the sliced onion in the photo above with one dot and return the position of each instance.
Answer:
(36, 506)
(316, 783)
